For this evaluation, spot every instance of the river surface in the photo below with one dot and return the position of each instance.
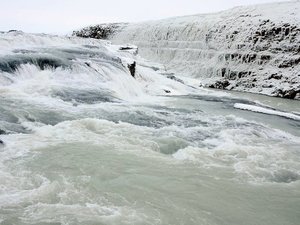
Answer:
(86, 143)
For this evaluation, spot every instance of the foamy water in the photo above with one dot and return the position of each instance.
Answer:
(86, 143)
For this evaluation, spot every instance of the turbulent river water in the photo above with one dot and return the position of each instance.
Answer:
(84, 142)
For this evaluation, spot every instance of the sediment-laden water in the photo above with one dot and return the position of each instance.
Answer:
(87, 143)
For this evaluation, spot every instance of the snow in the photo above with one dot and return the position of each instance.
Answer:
(255, 48)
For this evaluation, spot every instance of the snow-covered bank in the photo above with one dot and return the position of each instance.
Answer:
(253, 49)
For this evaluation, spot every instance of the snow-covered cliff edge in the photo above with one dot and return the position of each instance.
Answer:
(254, 49)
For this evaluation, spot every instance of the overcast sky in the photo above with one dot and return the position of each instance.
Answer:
(63, 16)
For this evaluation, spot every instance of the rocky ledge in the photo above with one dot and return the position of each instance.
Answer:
(101, 31)
(271, 54)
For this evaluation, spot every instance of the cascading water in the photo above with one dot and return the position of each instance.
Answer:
(85, 142)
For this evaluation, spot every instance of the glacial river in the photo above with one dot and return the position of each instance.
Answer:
(86, 143)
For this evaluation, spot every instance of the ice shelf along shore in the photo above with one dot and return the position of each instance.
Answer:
(252, 49)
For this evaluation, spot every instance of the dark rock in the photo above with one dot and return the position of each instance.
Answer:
(242, 74)
(289, 62)
(1, 142)
(223, 71)
(264, 22)
(12, 31)
(267, 86)
(252, 57)
(287, 31)
(220, 84)
(275, 76)
(265, 57)
(167, 91)
(245, 58)
(240, 46)
(234, 56)
(2, 132)
(126, 48)
(249, 58)
(172, 77)
(129, 48)
(132, 68)
(233, 75)
(166, 74)
(276, 30)
(255, 40)
(227, 57)
(290, 94)
(102, 31)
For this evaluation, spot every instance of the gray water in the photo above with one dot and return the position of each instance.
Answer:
(78, 150)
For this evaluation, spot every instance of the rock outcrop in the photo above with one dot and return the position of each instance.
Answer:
(101, 31)
(132, 68)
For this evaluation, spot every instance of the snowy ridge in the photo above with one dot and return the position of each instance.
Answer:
(253, 49)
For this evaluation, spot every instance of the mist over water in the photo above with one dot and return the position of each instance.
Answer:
(87, 143)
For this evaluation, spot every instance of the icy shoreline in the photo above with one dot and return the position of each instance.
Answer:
(250, 49)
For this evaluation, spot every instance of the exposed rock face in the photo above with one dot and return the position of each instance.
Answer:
(254, 49)
(132, 67)
(101, 31)
(220, 84)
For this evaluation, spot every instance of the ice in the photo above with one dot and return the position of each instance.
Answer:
(258, 109)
